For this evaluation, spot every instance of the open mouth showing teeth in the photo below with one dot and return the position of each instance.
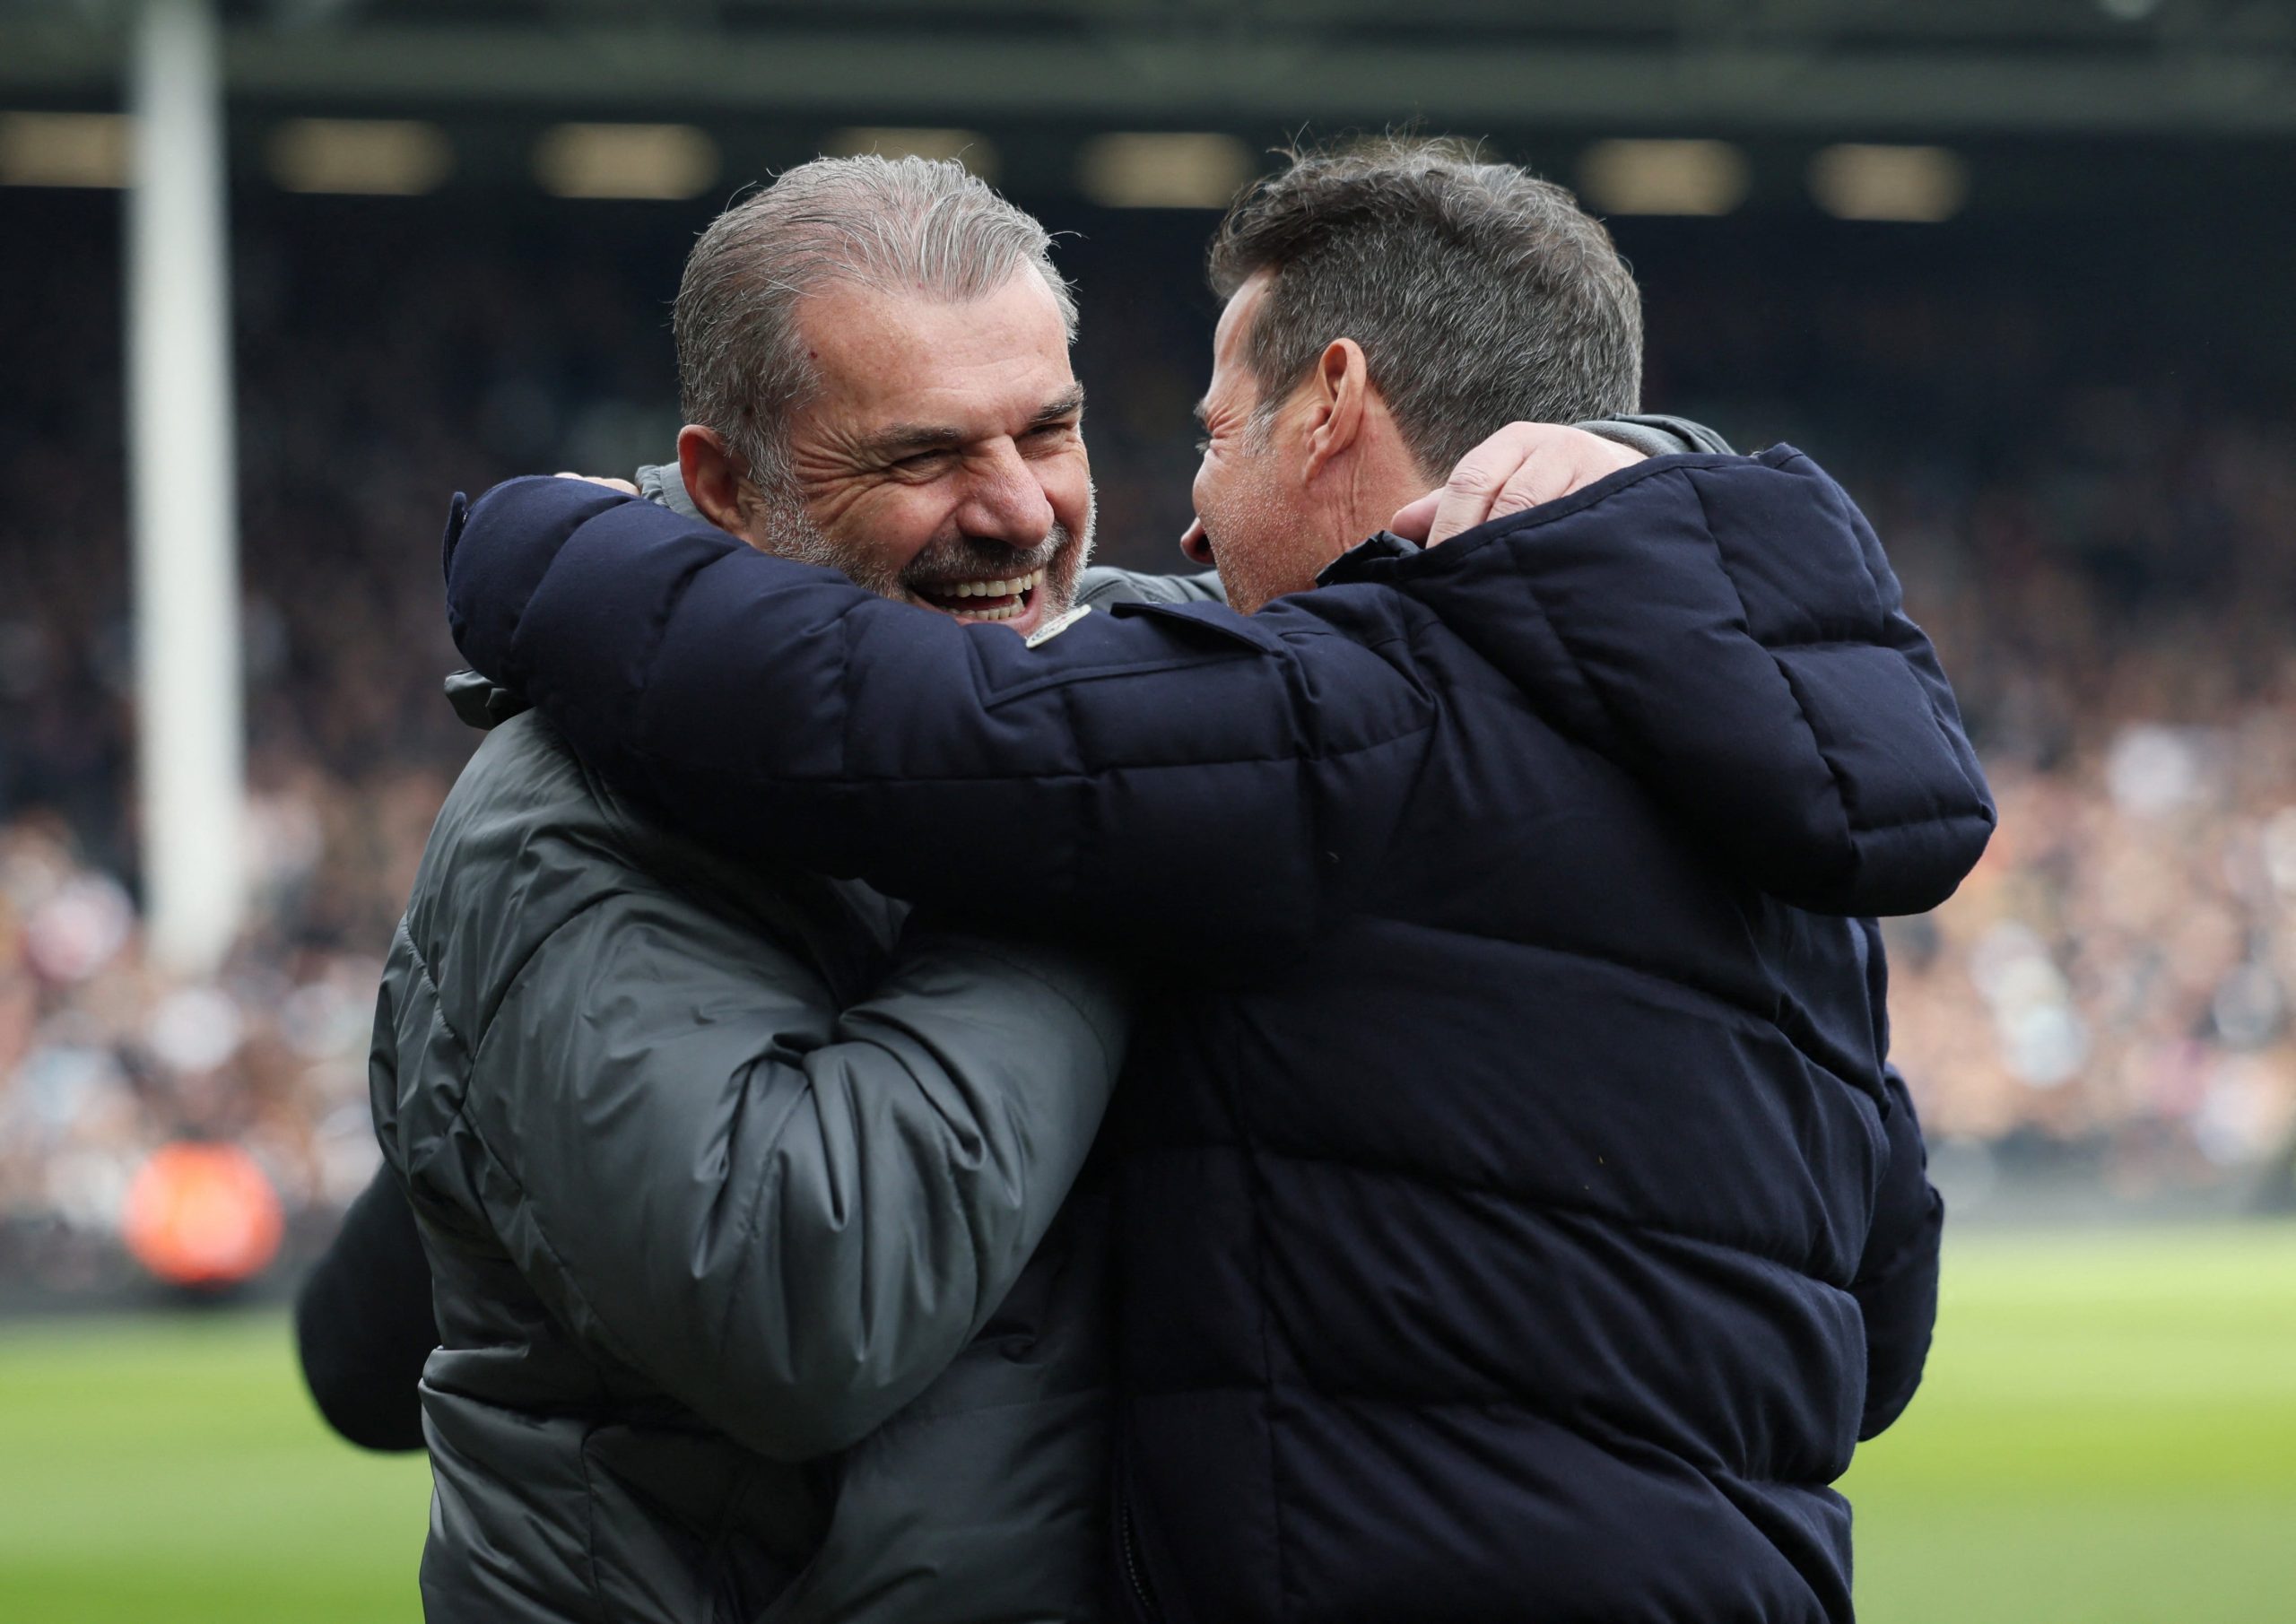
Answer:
(989, 599)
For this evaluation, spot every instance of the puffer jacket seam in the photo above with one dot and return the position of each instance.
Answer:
(658, 631)
(1771, 1016)
(1984, 810)
(1450, 1185)
(437, 995)
(1613, 1441)
(1762, 1019)
(650, 658)
(988, 949)
(1841, 796)
(590, 1522)
(1414, 621)
(1316, 803)
(1063, 681)
(1447, 1185)
(1537, 605)
(1804, 645)
(463, 1117)
(1911, 1250)
(541, 1240)
(754, 1217)
(1604, 1437)
(509, 981)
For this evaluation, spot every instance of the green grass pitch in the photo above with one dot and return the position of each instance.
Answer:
(2108, 1437)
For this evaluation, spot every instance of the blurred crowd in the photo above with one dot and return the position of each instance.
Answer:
(2110, 991)
(2101, 547)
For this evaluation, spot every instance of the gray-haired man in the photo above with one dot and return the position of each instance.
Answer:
(736, 1193)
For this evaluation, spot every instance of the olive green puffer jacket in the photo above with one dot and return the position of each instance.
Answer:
(731, 1191)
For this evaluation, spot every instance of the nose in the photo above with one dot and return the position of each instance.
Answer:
(1196, 545)
(1005, 502)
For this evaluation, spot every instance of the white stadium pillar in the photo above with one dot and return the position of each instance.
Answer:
(183, 509)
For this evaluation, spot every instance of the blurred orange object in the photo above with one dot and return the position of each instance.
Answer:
(202, 1215)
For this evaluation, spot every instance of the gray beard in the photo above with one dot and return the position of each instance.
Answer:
(791, 534)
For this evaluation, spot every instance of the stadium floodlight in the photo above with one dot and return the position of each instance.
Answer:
(660, 162)
(969, 148)
(190, 747)
(1704, 177)
(1917, 185)
(63, 149)
(1170, 170)
(370, 156)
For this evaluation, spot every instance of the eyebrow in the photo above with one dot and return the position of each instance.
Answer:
(1068, 403)
(907, 439)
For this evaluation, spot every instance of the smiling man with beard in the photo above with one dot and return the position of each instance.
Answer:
(930, 450)
(738, 1197)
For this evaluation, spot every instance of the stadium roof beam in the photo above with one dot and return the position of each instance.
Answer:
(1723, 82)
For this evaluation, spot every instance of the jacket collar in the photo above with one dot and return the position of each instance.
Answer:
(1361, 562)
(481, 701)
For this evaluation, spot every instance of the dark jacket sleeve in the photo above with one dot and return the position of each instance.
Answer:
(363, 1321)
(1896, 1286)
(788, 1217)
(1722, 626)
(752, 700)
(1734, 635)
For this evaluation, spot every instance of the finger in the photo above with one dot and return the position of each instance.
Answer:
(1564, 462)
(1414, 521)
(1475, 483)
(1593, 457)
(1537, 482)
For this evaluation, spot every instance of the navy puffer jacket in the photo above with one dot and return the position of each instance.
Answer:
(1520, 1221)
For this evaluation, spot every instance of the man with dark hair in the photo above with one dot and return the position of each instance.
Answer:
(1518, 1217)
(1475, 294)
(1527, 315)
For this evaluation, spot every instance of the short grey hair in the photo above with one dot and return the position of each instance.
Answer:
(1481, 295)
(915, 224)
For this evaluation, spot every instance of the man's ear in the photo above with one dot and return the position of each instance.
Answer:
(1338, 391)
(713, 478)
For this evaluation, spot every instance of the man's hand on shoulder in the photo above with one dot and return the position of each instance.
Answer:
(1522, 466)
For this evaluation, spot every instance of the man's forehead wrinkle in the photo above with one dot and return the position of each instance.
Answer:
(906, 439)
